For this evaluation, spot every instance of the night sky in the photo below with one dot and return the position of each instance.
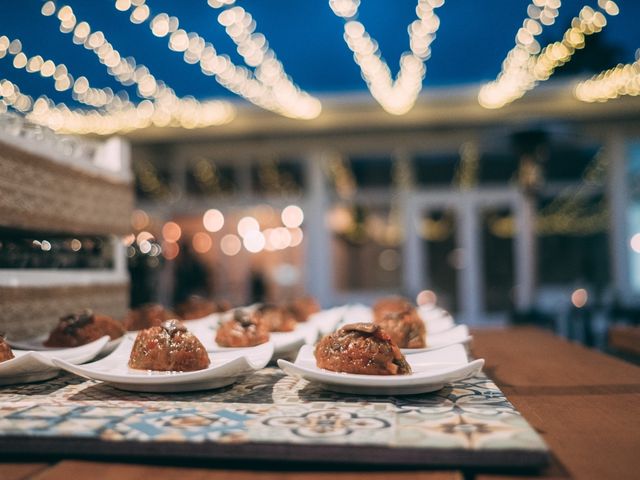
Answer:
(472, 41)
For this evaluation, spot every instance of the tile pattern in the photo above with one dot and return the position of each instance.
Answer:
(267, 407)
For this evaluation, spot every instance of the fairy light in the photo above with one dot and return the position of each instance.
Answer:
(63, 80)
(527, 63)
(161, 106)
(610, 84)
(11, 96)
(267, 85)
(395, 96)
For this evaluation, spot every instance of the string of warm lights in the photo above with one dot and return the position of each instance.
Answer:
(399, 96)
(11, 96)
(267, 86)
(527, 64)
(82, 91)
(616, 82)
(160, 107)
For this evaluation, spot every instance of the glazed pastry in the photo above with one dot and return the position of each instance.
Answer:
(195, 307)
(361, 348)
(244, 329)
(400, 319)
(390, 305)
(81, 328)
(223, 305)
(146, 316)
(5, 350)
(406, 328)
(169, 347)
(304, 307)
(278, 318)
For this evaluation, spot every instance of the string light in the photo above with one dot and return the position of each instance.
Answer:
(13, 97)
(267, 86)
(161, 106)
(527, 64)
(399, 96)
(81, 92)
(610, 84)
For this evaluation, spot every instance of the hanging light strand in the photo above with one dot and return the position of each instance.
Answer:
(160, 107)
(267, 86)
(82, 91)
(527, 63)
(610, 84)
(399, 96)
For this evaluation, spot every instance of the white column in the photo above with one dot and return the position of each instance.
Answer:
(618, 194)
(470, 285)
(413, 257)
(317, 247)
(525, 252)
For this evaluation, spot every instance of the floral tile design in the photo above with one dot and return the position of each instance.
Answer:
(269, 407)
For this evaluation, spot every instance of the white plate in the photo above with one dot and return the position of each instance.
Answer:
(225, 369)
(37, 344)
(435, 341)
(30, 366)
(431, 371)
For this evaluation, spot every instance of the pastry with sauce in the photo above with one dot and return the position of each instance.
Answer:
(146, 316)
(361, 348)
(304, 307)
(169, 347)
(81, 328)
(5, 350)
(244, 329)
(401, 321)
(196, 307)
(278, 318)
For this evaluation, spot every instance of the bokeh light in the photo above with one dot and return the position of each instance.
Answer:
(213, 220)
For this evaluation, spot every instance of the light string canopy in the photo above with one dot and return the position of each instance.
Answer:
(527, 63)
(610, 84)
(395, 96)
(82, 91)
(267, 85)
(160, 107)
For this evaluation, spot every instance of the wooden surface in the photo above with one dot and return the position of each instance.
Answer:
(625, 338)
(585, 404)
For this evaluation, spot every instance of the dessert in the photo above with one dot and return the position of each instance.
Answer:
(168, 347)
(195, 307)
(5, 350)
(400, 320)
(149, 315)
(304, 307)
(244, 329)
(81, 328)
(361, 348)
(223, 305)
(278, 318)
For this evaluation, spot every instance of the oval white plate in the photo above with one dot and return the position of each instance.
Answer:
(435, 341)
(225, 369)
(37, 344)
(431, 371)
(30, 366)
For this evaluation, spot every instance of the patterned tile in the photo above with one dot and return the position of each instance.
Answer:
(270, 407)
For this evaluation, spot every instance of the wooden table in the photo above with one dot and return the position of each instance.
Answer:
(585, 404)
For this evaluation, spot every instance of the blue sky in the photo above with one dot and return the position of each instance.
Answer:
(473, 38)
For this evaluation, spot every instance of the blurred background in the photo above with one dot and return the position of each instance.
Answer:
(481, 155)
